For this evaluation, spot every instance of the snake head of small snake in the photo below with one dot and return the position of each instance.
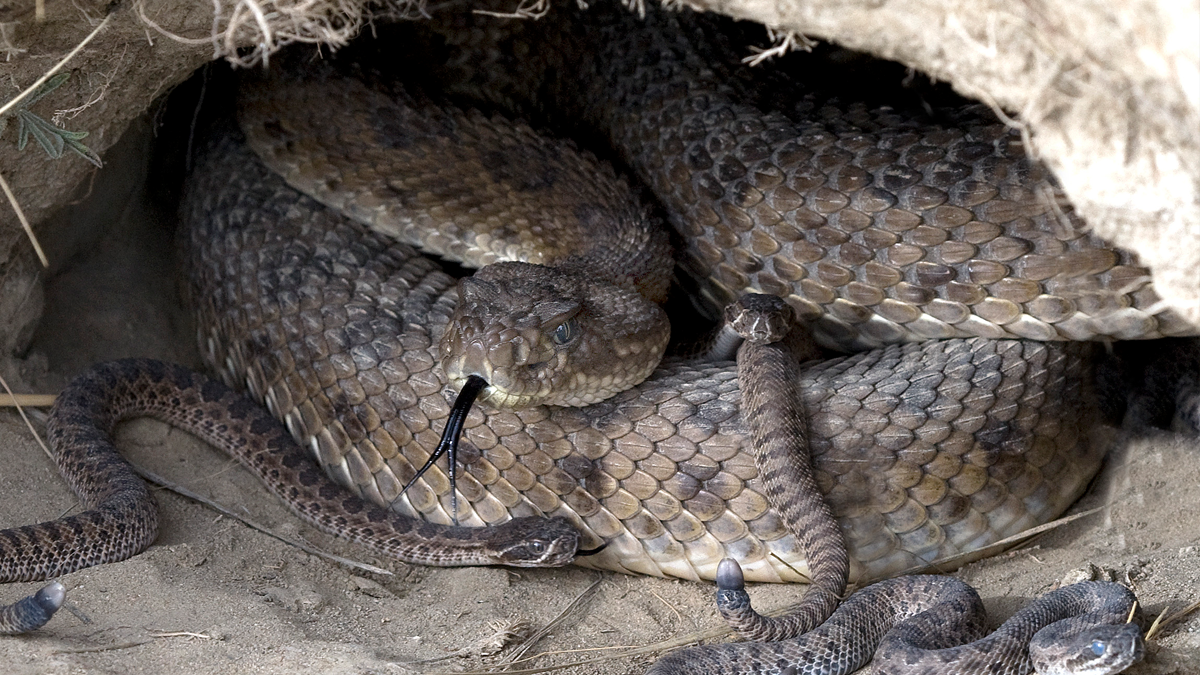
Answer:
(1100, 650)
(533, 541)
(760, 318)
(542, 336)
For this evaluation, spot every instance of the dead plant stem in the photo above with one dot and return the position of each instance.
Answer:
(16, 206)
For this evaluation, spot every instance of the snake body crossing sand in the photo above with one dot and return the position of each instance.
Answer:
(935, 625)
(121, 518)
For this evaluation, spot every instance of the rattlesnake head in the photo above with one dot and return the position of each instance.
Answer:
(543, 336)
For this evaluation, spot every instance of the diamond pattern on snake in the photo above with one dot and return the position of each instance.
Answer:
(875, 234)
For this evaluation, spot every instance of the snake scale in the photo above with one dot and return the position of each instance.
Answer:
(924, 450)
(121, 519)
(936, 625)
(878, 224)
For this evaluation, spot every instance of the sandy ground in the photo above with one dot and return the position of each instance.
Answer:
(214, 596)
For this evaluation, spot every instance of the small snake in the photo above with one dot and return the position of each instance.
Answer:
(935, 625)
(121, 519)
(768, 361)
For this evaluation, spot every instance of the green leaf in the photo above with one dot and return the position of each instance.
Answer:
(72, 135)
(43, 132)
(83, 150)
(52, 139)
(47, 87)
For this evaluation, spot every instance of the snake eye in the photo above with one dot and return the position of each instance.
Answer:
(1099, 647)
(566, 331)
(537, 547)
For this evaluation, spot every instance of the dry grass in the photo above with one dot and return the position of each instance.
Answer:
(247, 32)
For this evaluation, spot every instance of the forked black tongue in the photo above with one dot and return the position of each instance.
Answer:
(591, 551)
(448, 446)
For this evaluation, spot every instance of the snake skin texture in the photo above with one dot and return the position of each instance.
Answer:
(488, 193)
(877, 225)
(32, 612)
(923, 449)
(934, 625)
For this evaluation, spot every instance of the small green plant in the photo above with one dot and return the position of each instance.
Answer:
(53, 139)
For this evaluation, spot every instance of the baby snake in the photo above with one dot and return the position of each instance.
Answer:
(936, 625)
(923, 449)
(121, 519)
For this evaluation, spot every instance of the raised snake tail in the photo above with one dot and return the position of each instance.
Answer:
(774, 411)
(935, 625)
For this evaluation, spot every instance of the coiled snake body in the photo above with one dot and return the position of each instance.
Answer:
(338, 330)
(923, 450)
(934, 625)
(878, 225)
(660, 472)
